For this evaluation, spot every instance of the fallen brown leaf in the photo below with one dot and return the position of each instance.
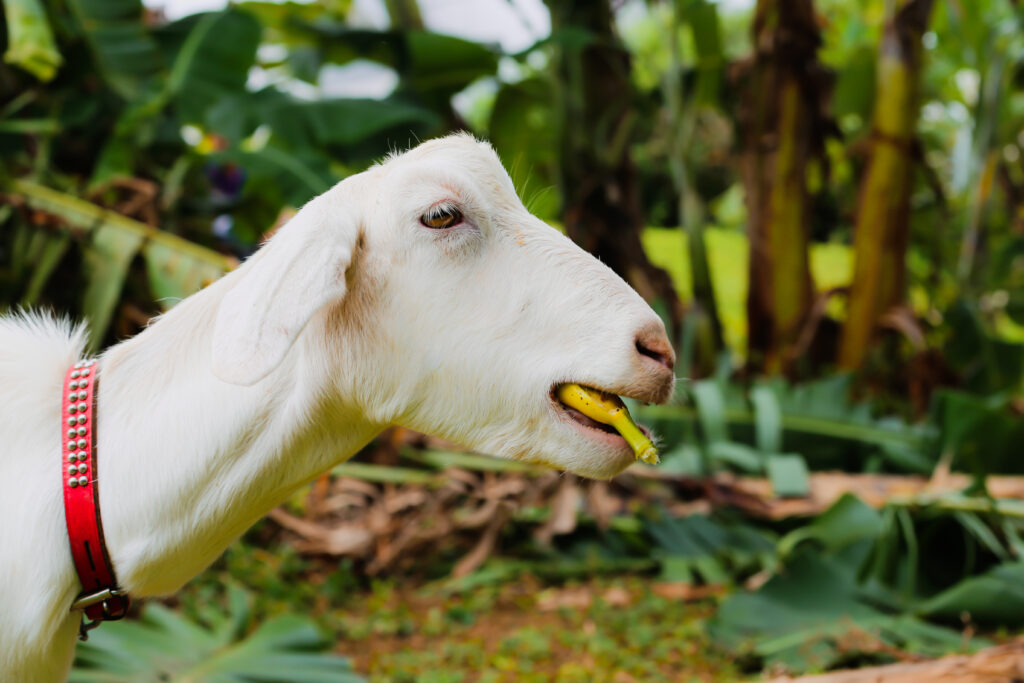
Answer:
(564, 507)
(553, 599)
(485, 546)
(617, 596)
(687, 592)
(1000, 663)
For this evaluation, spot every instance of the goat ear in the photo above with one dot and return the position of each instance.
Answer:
(299, 271)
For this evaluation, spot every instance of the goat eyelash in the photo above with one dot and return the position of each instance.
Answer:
(442, 216)
(441, 208)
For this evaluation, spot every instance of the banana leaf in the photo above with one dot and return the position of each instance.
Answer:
(108, 256)
(213, 61)
(127, 55)
(302, 124)
(175, 266)
(30, 43)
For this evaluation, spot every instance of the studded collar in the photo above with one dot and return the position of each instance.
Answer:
(100, 599)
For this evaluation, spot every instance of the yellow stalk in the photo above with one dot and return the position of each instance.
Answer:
(610, 410)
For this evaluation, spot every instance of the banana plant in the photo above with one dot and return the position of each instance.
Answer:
(164, 645)
(882, 226)
(175, 267)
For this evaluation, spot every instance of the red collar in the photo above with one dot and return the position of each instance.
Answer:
(100, 599)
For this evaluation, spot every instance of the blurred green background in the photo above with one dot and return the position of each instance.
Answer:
(824, 200)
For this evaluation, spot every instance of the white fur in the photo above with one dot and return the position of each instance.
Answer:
(352, 318)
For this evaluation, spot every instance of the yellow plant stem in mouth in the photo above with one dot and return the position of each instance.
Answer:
(610, 410)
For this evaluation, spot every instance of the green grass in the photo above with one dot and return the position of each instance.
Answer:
(601, 630)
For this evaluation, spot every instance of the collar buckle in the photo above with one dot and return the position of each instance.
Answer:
(114, 605)
(102, 595)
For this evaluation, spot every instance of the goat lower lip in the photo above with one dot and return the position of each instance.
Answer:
(588, 422)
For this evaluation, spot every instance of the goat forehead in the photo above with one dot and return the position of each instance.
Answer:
(428, 180)
(459, 146)
(459, 158)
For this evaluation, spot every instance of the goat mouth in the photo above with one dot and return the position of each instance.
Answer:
(607, 432)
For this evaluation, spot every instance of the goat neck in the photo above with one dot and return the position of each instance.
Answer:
(188, 461)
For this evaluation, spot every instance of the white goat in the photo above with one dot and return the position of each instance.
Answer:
(354, 317)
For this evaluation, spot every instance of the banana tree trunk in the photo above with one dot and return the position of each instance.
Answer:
(602, 210)
(882, 227)
(784, 124)
(704, 309)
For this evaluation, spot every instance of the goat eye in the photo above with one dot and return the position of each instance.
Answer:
(441, 217)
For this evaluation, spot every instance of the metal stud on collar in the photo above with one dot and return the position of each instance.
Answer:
(103, 600)
(78, 443)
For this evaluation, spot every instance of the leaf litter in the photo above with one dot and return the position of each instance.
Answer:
(865, 569)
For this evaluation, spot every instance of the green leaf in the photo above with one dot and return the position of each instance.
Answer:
(855, 85)
(177, 265)
(705, 547)
(239, 612)
(441, 65)
(107, 259)
(910, 457)
(523, 131)
(346, 121)
(982, 533)
(703, 20)
(684, 460)
(117, 158)
(813, 410)
(304, 125)
(707, 394)
(469, 461)
(788, 474)
(983, 432)
(1013, 539)
(767, 419)
(736, 454)
(300, 23)
(291, 178)
(42, 253)
(432, 66)
(30, 126)
(677, 568)
(30, 43)
(213, 62)
(801, 618)
(996, 597)
(335, 41)
(913, 552)
(846, 522)
(382, 473)
(986, 363)
(174, 275)
(164, 645)
(127, 55)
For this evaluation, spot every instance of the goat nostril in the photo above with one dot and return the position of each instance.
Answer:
(657, 352)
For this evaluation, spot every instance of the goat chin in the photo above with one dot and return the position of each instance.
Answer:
(353, 317)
